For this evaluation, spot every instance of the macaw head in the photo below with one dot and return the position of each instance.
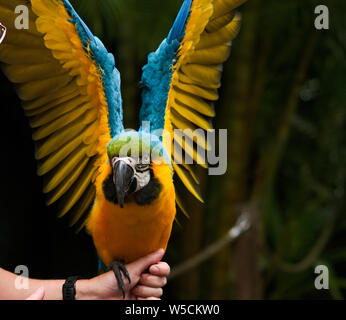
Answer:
(133, 157)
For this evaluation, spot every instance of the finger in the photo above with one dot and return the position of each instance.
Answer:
(152, 281)
(150, 298)
(160, 269)
(143, 263)
(37, 295)
(146, 292)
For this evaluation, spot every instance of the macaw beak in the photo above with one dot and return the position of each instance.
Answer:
(123, 176)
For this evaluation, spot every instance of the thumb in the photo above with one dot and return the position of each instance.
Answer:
(37, 295)
(139, 266)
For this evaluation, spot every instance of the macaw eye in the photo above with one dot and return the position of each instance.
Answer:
(142, 167)
(145, 159)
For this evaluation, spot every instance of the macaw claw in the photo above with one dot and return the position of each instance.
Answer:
(120, 270)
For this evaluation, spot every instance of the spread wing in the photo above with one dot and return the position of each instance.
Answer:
(181, 80)
(70, 91)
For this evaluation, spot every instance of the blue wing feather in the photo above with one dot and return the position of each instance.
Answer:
(157, 73)
(177, 31)
(106, 64)
(156, 79)
(83, 29)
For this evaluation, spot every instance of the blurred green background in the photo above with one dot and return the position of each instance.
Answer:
(283, 101)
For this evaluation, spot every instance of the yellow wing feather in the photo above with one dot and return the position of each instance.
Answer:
(210, 28)
(63, 96)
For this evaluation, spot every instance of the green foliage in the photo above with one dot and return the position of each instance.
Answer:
(309, 189)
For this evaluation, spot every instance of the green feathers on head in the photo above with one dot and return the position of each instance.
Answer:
(137, 144)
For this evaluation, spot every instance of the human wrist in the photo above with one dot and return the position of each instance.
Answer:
(85, 290)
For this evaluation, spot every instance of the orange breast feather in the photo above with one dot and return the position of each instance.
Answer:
(135, 230)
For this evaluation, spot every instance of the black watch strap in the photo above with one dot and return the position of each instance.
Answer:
(69, 288)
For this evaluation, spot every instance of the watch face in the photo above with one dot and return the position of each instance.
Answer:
(2, 32)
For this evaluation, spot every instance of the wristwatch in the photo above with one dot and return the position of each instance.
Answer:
(69, 288)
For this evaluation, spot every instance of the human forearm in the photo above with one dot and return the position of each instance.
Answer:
(53, 288)
(8, 290)
(103, 287)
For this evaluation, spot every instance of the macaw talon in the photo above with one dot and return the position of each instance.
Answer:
(120, 270)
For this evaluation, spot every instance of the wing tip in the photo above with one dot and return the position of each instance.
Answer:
(180, 22)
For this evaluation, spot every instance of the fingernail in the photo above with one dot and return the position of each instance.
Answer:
(155, 269)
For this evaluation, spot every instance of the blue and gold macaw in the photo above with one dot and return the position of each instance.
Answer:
(70, 90)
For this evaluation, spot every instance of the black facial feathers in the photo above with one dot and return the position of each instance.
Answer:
(150, 192)
(144, 196)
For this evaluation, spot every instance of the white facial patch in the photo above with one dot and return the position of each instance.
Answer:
(143, 179)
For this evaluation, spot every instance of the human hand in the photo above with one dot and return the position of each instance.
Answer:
(142, 286)
(38, 294)
(150, 284)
